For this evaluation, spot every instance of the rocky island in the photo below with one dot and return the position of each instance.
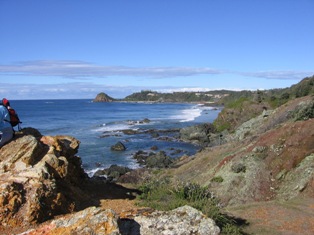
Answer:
(103, 97)
(254, 175)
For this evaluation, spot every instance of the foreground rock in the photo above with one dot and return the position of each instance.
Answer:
(181, 221)
(89, 221)
(39, 178)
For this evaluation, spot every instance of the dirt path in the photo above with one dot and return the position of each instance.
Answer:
(278, 218)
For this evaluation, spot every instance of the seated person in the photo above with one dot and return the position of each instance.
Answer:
(6, 130)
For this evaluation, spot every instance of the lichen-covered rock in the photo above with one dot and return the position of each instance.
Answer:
(181, 221)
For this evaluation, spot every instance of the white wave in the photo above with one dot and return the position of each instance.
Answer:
(119, 126)
(188, 115)
(113, 127)
(91, 172)
(132, 165)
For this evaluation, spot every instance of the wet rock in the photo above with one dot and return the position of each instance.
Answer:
(113, 172)
(129, 132)
(153, 160)
(118, 147)
(198, 134)
(159, 160)
(144, 121)
(141, 157)
(154, 148)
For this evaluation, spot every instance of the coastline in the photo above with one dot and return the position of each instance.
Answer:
(100, 125)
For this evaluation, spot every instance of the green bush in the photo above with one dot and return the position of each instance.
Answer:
(217, 179)
(238, 103)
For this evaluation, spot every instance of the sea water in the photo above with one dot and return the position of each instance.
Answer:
(98, 126)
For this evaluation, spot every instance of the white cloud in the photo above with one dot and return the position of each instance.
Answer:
(81, 70)
(74, 69)
(62, 91)
(193, 89)
(279, 75)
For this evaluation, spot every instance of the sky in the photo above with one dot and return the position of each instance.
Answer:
(57, 49)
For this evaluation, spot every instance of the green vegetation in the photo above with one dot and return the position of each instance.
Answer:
(217, 179)
(305, 113)
(158, 194)
(238, 103)
(244, 105)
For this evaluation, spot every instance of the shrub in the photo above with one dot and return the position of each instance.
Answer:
(217, 179)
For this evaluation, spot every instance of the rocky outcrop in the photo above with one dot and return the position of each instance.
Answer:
(39, 178)
(203, 135)
(181, 221)
(103, 97)
(153, 160)
(198, 134)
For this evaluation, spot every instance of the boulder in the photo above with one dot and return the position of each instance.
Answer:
(198, 134)
(89, 221)
(113, 172)
(159, 160)
(180, 221)
(118, 147)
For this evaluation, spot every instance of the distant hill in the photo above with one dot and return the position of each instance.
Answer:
(153, 96)
(269, 98)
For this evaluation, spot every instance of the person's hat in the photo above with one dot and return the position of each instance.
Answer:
(5, 102)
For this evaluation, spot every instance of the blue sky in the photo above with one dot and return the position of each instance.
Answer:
(78, 48)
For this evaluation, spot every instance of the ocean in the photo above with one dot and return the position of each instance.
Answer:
(98, 126)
